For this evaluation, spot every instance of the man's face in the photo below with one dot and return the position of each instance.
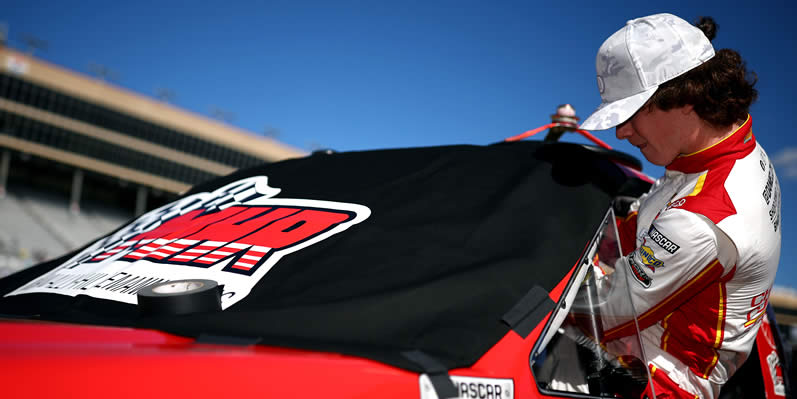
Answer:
(655, 132)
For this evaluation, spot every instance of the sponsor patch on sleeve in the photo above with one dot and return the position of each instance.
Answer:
(646, 256)
(676, 203)
(662, 241)
(636, 270)
(472, 387)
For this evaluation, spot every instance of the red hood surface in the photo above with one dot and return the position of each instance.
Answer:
(46, 359)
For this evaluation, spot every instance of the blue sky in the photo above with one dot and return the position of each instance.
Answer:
(354, 75)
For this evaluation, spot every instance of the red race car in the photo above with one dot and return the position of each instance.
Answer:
(453, 271)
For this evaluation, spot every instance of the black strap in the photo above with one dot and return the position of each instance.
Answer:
(437, 372)
(529, 311)
(226, 340)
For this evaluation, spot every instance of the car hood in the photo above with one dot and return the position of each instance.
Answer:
(377, 254)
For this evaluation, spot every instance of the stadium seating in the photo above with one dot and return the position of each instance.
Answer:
(38, 226)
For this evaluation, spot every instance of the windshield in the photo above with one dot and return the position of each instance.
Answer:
(573, 355)
(294, 242)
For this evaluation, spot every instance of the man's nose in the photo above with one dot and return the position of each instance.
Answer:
(623, 131)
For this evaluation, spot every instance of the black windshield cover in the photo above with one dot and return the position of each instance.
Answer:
(457, 236)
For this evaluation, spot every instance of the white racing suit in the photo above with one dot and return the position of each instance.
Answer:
(702, 249)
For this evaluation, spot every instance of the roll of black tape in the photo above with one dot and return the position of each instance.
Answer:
(180, 297)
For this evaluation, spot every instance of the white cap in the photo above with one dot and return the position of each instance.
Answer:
(635, 60)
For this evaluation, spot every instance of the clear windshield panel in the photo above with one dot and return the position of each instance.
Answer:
(592, 344)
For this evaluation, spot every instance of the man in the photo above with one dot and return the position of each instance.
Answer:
(703, 245)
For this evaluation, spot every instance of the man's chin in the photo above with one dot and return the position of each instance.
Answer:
(656, 160)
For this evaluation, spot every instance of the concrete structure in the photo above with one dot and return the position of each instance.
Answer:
(62, 116)
(68, 141)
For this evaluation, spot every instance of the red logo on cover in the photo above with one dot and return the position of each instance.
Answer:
(240, 225)
(246, 236)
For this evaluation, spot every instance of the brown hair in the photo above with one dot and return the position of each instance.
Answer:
(718, 90)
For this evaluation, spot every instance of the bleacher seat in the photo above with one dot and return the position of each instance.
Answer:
(37, 226)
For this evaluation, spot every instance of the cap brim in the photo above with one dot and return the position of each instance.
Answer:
(609, 115)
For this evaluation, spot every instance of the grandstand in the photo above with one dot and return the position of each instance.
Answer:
(80, 156)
